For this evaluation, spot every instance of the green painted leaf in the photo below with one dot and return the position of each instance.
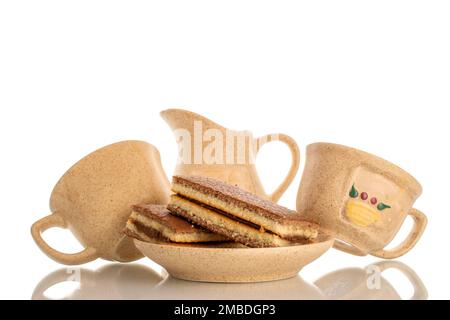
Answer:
(354, 193)
(383, 206)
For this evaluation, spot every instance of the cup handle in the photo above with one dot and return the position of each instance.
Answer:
(420, 292)
(420, 223)
(295, 152)
(56, 221)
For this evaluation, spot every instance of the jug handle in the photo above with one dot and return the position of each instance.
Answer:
(56, 221)
(295, 152)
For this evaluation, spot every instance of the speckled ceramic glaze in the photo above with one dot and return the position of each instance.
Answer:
(360, 198)
(234, 163)
(93, 200)
(209, 264)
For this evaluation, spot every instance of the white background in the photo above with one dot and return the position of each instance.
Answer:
(77, 75)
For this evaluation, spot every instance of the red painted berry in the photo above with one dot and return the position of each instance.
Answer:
(373, 201)
(364, 196)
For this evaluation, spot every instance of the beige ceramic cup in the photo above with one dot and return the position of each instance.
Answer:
(93, 200)
(361, 198)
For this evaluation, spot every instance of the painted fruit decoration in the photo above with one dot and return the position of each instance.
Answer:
(363, 209)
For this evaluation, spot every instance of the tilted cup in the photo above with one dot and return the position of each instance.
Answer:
(93, 199)
(361, 198)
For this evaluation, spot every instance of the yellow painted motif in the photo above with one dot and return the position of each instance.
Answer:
(361, 213)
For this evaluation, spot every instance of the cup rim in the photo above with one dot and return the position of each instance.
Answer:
(408, 181)
(90, 154)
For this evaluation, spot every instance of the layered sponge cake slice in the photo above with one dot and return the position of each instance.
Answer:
(150, 222)
(237, 214)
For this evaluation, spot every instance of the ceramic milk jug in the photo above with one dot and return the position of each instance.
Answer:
(208, 149)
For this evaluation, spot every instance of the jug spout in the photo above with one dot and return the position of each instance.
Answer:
(184, 119)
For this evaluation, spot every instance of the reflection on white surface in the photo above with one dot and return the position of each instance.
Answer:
(291, 289)
(112, 281)
(369, 283)
(135, 281)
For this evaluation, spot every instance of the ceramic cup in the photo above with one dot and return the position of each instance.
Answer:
(361, 198)
(93, 200)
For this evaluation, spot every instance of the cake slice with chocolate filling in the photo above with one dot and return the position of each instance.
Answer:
(154, 222)
(237, 214)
